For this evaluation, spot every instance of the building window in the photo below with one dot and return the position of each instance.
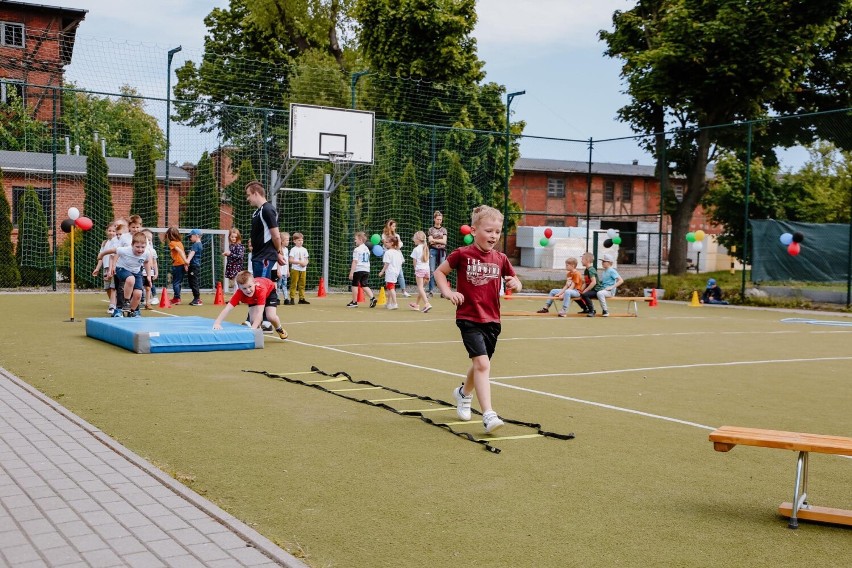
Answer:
(555, 187)
(609, 191)
(555, 222)
(44, 196)
(11, 90)
(627, 191)
(11, 35)
(678, 192)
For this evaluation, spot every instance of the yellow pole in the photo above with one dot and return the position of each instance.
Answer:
(73, 230)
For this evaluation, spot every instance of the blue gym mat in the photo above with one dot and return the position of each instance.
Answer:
(173, 335)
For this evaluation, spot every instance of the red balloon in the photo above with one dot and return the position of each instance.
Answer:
(83, 223)
(548, 232)
(465, 229)
(794, 248)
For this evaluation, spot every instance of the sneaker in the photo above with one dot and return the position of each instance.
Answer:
(134, 314)
(543, 311)
(429, 293)
(492, 422)
(266, 326)
(427, 308)
(352, 305)
(116, 313)
(246, 323)
(301, 301)
(175, 301)
(406, 294)
(153, 299)
(393, 307)
(196, 302)
(282, 333)
(590, 314)
(562, 313)
(462, 403)
(373, 302)
(110, 310)
(605, 313)
(413, 306)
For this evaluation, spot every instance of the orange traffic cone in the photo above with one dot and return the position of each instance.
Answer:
(653, 302)
(321, 289)
(360, 299)
(164, 299)
(219, 299)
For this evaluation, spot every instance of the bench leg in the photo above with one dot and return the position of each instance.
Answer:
(635, 308)
(800, 491)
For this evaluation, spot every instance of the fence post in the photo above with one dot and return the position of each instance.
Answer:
(745, 210)
(53, 193)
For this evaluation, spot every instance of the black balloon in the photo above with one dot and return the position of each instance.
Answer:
(607, 243)
(66, 225)
(798, 237)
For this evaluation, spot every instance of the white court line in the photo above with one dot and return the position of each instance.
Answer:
(666, 367)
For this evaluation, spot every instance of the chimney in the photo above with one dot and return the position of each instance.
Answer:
(67, 145)
(76, 149)
(103, 147)
(96, 135)
(635, 162)
(130, 154)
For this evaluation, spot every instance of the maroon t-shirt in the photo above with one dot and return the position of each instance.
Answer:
(479, 277)
(263, 287)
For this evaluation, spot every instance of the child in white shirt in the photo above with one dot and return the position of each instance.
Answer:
(393, 262)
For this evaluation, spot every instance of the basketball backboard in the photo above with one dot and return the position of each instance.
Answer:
(315, 131)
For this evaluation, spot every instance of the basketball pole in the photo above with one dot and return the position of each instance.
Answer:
(326, 222)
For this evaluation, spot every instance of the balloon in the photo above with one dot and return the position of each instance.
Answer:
(616, 240)
(786, 239)
(551, 243)
(73, 213)
(465, 229)
(67, 225)
(699, 235)
(607, 243)
(84, 223)
(378, 250)
(468, 239)
(690, 237)
(794, 248)
(543, 242)
(611, 233)
(548, 232)
(798, 237)
(698, 246)
(376, 239)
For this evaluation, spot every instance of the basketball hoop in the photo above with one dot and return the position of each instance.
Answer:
(339, 160)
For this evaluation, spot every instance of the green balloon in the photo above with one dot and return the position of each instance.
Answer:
(616, 240)
(468, 239)
(375, 239)
(690, 237)
(543, 242)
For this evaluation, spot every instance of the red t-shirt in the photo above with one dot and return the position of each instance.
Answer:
(479, 277)
(263, 287)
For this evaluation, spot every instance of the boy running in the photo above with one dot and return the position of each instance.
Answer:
(259, 293)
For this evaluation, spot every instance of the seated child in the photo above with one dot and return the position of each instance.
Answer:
(610, 281)
(573, 282)
(259, 293)
(713, 294)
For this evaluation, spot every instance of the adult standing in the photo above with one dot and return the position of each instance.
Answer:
(437, 239)
(265, 238)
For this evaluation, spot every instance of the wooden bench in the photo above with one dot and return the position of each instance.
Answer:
(726, 437)
(632, 306)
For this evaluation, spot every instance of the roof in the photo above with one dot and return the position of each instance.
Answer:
(571, 166)
(76, 11)
(70, 164)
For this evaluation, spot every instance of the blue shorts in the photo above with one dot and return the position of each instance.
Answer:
(123, 274)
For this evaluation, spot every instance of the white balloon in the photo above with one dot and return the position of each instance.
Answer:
(697, 246)
(73, 213)
(611, 233)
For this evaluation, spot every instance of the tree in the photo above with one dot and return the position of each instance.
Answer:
(823, 187)
(97, 205)
(10, 274)
(122, 122)
(33, 255)
(19, 130)
(694, 64)
(456, 188)
(144, 202)
(201, 210)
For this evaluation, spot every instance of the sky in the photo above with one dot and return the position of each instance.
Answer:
(547, 48)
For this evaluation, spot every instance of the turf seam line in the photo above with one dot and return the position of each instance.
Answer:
(485, 442)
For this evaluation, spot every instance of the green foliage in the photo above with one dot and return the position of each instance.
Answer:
(144, 201)
(456, 189)
(692, 65)
(825, 187)
(35, 262)
(123, 122)
(10, 275)
(97, 205)
(19, 131)
(236, 194)
(201, 210)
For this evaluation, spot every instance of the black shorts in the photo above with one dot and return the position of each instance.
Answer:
(479, 338)
(361, 279)
(271, 300)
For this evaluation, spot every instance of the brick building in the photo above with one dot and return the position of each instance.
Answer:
(36, 43)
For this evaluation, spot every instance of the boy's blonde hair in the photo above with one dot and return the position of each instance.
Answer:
(572, 261)
(297, 236)
(244, 277)
(140, 238)
(120, 223)
(361, 235)
(485, 212)
(135, 220)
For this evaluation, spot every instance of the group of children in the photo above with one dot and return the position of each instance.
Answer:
(585, 286)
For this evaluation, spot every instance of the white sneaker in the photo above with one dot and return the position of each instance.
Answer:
(153, 299)
(491, 422)
(393, 307)
(462, 403)
(406, 294)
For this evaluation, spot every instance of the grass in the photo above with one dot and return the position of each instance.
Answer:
(345, 484)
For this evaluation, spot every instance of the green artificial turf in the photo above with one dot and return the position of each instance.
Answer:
(345, 484)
